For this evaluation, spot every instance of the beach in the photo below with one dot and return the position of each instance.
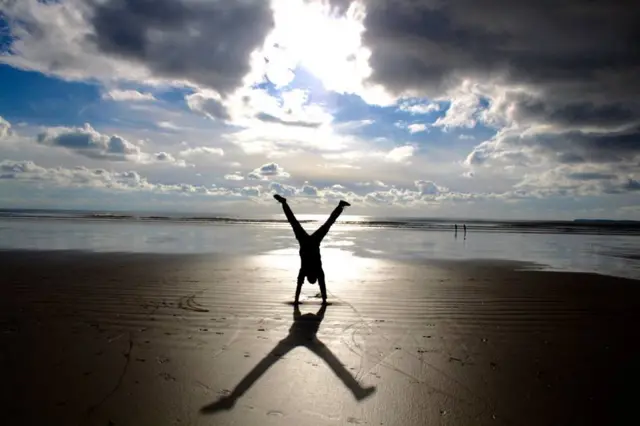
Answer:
(122, 338)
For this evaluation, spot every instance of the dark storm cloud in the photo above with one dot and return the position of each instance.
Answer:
(206, 42)
(591, 176)
(620, 149)
(428, 45)
(567, 69)
(563, 113)
(90, 143)
(578, 147)
(633, 185)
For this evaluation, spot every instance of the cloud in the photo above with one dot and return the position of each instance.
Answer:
(90, 143)
(5, 128)
(164, 157)
(463, 109)
(128, 95)
(208, 44)
(234, 176)
(633, 185)
(282, 189)
(558, 75)
(201, 150)
(292, 107)
(400, 154)
(208, 103)
(578, 180)
(414, 107)
(269, 170)
(250, 191)
(168, 125)
(416, 128)
(429, 188)
(309, 191)
(539, 143)
(422, 194)
(28, 171)
(429, 47)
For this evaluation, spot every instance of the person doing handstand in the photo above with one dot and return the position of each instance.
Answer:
(310, 261)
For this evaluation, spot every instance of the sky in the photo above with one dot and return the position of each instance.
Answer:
(487, 109)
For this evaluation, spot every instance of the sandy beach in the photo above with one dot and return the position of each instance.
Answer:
(133, 339)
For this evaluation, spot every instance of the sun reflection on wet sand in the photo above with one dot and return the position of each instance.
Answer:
(340, 266)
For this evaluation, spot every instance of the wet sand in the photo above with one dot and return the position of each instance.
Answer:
(133, 339)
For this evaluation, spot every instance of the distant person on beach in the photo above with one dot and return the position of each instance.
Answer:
(310, 261)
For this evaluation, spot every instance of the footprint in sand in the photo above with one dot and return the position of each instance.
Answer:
(168, 377)
(188, 303)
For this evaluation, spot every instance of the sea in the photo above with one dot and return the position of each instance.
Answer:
(592, 246)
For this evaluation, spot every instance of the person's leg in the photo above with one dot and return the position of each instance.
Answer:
(299, 285)
(323, 288)
(320, 349)
(297, 228)
(322, 231)
(227, 402)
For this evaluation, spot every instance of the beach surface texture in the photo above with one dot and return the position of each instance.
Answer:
(210, 339)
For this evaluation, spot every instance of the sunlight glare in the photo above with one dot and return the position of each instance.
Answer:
(330, 47)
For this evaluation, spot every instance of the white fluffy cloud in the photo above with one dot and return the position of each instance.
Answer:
(5, 128)
(282, 189)
(400, 154)
(424, 192)
(202, 150)
(417, 127)
(266, 171)
(463, 109)
(234, 176)
(417, 107)
(427, 187)
(128, 95)
(165, 157)
(27, 171)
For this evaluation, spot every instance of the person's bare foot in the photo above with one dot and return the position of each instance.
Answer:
(344, 204)
(280, 198)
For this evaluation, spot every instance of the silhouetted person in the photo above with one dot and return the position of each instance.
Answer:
(310, 261)
(455, 230)
(301, 333)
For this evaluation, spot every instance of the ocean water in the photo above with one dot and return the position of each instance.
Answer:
(600, 247)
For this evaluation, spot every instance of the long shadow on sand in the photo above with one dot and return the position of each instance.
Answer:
(302, 333)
